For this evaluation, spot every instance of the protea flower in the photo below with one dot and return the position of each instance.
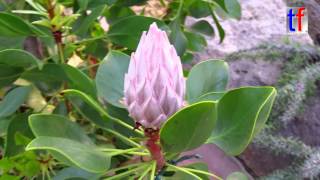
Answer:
(154, 85)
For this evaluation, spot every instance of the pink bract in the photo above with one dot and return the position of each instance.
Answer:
(154, 86)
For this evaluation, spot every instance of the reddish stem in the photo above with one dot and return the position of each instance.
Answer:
(154, 147)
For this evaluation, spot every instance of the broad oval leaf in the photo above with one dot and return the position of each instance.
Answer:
(88, 108)
(79, 80)
(116, 12)
(9, 74)
(127, 31)
(57, 126)
(91, 102)
(82, 155)
(189, 127)
(205, 77)
(199, 9)
(196, 42)
(110, 77)
(19, 58)
(12, 101)
(177, 37)
(231, 7)
(51, 77)
(12, 25)
(241, 114)
(203, 27)
(211, 96)
(75, 173)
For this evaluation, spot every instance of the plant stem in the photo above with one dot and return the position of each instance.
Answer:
(60, 52)
(123, 138)
(126, 173)
(202, 172)
(135, 151)
(183, 170)
(126, 167)
(179, 10)
(144, 173)
(154, 147)
(153, 170)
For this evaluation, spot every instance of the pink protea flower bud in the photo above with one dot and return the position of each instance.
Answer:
(154, 86)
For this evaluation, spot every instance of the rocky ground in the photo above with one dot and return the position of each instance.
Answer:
(263, 22)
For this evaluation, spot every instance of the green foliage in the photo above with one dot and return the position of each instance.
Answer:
(205, 77)
(14, 26)
(13, 100)
(110, 77)
(296, 85)
(197, 122)
(241, 115)
(127, 31)
(81, 155)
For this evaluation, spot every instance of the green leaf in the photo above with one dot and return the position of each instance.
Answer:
(127, 31)
(51, 76)
(207, 76)
(18, 127)
(82, 4)
(110, 77)
(75, 173)
(9, 74)
(182, 175)
(12, 101)
(177, 37)
(13, 26)
(188, 128)
(203, 27)
(57, 126)
(11, 42)
(219, 27)
(196, 42)
(82, 155)
(87, 111)
(19, 58)
(211, 96)
(241, 114)
(4, 123)
(237, 176)
(79, 80)
(91, 102)
(83, 24)
(232, 7)
(48, 79)
(115, 13)
(199, 9)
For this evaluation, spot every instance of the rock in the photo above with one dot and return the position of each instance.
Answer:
(218, 162)
(307, 124)
(261, 22)
(313, 7)
(254, 73)
(260, 162)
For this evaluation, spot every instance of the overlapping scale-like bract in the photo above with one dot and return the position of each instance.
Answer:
(154, 85)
